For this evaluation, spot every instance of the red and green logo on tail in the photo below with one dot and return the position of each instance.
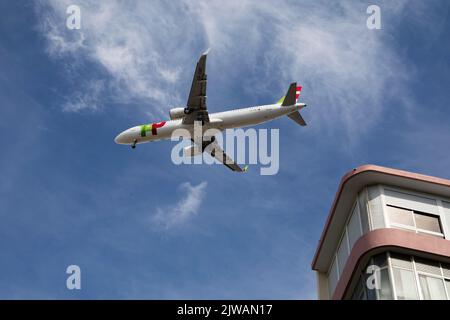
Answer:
(298, 89)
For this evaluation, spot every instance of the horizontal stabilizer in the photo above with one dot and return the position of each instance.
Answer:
(297, 117)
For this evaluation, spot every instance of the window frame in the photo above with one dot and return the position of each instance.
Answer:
(417, 274)
(445, 278)
(427, 275)
(334, 262)
(354, 211)
(438, 217)
(415, 228)
(441, 209)
(412, 269)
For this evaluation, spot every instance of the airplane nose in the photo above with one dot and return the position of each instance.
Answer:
(120, 138)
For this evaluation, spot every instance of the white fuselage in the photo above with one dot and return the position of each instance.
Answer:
(220, 121)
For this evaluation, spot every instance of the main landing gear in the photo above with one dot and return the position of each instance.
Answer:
(133, 146)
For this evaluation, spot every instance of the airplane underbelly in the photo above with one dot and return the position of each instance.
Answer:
(253, 117)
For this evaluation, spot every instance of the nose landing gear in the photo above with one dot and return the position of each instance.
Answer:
(133, 146)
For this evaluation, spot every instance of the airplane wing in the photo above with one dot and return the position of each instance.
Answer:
(211, 146)
(296, 116)
(196, 105)
(216, 151)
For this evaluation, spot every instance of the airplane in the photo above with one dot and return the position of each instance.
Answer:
(196, 111)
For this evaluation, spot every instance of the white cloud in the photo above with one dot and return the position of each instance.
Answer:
(186, 208)
(53, 26)
(88, 99)
(147, 47)
(346, 69)
(136, 43)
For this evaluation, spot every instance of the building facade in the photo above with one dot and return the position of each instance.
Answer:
(387, 236)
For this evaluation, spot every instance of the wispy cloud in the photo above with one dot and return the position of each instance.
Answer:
(185, 209)
(87, 99)
(146, 47)
(346, 69)
(141, 45)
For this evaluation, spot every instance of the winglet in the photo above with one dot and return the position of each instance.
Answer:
(206, 52)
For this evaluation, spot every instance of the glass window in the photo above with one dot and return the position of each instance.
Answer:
(447, 285)
(400, 216)
(380, 260)
(371, 293)
(427, 266)
(401, 260)
(432, 288)
(405, 284)
(384, 292)
(332, 278)
(359, 292)
(362, 201)
(420, 222)
(342, 253)
(446, 270)
(427, 222)
(354, 227)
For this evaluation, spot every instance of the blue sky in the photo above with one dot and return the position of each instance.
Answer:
(69, 195)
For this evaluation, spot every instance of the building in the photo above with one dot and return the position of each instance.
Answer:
(387, 236)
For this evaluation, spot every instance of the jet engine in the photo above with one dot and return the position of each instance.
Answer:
(176, 113)
(191, 151)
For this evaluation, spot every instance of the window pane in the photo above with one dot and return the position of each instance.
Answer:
(400, 260)
(437, 289)
(400, 216)
(342, 253)
(446, 270)
(428, 266)
(447, 284)
(380, 260)
(363, 202)
(384, 293)
(359, 293)
(424, 287)
(427, 222)
(405, 285)
(332, 278)
(432, 288)
(354, 228)
(363, 295)
(371, 294)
